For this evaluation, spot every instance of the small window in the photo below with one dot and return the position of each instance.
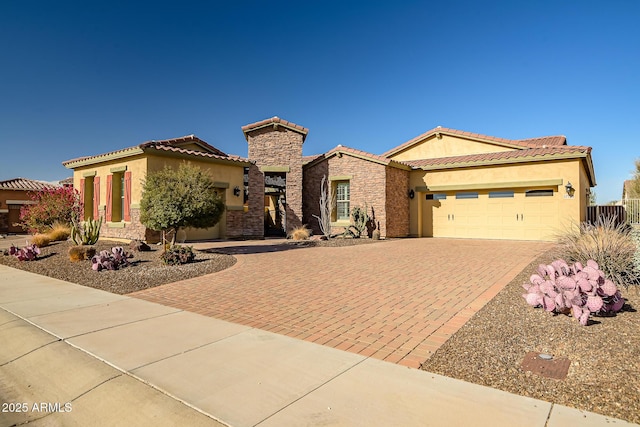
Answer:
(500, 194)
(538, 193)
(342, 200)
(437, 196)
(468, 195)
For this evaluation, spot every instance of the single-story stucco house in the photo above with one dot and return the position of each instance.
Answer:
(14, 194)
(443, 183)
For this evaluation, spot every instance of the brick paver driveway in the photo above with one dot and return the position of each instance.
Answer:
(396, 300)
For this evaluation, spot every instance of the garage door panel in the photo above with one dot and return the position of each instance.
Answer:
(515, 217)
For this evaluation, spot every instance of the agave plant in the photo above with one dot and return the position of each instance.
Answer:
(580, 290)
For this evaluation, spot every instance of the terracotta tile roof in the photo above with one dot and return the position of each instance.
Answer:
(170, 145)
(524, 143)
(342, 149)
(183, 139)
(25, 184)
(502, 156)
(174, 149)
(309, 159)
(275, 120)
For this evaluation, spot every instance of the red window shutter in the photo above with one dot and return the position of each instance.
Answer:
(82, 199)
(96, 196)
(109, 198)
(127, 196)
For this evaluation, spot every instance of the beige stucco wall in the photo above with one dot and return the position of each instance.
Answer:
(137, 165)
(446, 146)
(227, 176)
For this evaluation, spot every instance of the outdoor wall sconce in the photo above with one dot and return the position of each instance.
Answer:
(236, 191)
(412, 194)
(569, 188)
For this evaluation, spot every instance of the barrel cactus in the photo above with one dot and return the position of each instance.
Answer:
(580, 290)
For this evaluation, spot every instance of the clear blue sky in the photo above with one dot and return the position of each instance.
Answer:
(83, 78)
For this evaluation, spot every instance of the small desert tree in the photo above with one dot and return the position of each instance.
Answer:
(634, 188)
(185, 197)
(326, 205)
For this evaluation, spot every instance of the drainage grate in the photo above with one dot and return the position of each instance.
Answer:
(549, 368)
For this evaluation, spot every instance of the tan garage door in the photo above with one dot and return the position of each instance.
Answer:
(500, 214)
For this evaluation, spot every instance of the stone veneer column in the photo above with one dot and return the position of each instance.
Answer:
(276, 144)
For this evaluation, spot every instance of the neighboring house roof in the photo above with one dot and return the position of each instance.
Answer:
(24, 184)
(274, 121)
(341, 149)
(174, 146)
(66, 182)
(545, 141)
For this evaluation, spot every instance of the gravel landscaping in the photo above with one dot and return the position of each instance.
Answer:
(146, 269)
(604, 374)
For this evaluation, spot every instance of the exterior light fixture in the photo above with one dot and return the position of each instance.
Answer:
(412, 194)
(236, 191)
(569, 188)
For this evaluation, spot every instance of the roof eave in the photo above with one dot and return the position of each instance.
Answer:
(275, 125)
(388, 162)
(526, 159)
(120, 154)
(203, 157)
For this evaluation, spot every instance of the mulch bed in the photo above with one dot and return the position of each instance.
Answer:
(604, 370)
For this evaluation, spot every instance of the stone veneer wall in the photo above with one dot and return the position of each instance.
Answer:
(131, 230)
(236, 227)
(367, 186)
(397, 202)
(276, 146)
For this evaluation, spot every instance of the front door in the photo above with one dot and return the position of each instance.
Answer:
(275, 217)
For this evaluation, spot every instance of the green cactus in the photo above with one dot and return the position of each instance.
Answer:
(86, 233)
(360, 219)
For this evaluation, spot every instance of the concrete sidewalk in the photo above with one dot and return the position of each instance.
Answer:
(95, 358)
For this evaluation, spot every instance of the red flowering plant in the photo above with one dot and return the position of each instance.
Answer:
(61, 204)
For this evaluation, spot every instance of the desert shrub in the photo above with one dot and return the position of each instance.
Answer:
(28, 253)
(635, 235)
(300, 233)
(113, 260)
(611, 246)
(573, 289)
(177, 255)
(81, 252)
(50, 206)
(40, 240)
(59, 231)
(186, 197)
